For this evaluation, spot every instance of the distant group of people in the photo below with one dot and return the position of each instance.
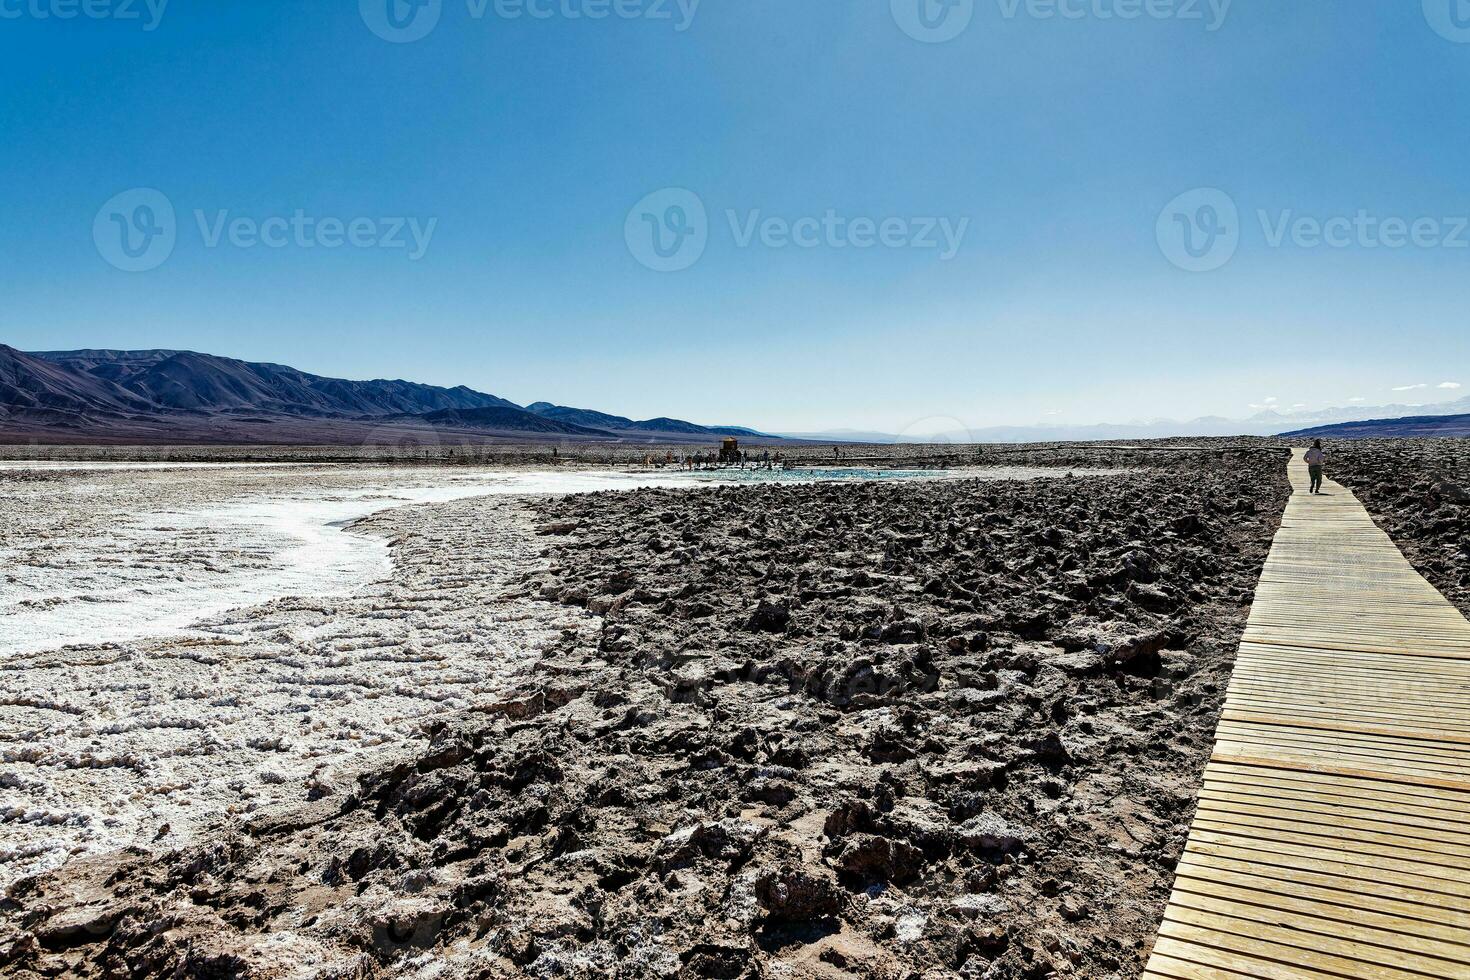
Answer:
(712, 460)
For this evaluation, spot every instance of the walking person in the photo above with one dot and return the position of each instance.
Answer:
(1316, 461)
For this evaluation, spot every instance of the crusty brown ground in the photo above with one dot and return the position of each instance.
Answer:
(939, 729)
(1418, 490)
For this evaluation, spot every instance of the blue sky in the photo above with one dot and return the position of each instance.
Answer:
(524, 149)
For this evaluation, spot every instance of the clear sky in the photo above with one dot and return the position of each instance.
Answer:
(1051, 139)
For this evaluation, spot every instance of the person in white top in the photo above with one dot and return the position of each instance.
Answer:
(1316, 460)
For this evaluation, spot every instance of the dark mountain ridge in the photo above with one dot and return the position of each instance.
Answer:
(618, 423)
(580, 416)
(30, 384)
(1416, 427)
(189, 381)
(500, 418)
(153, 394)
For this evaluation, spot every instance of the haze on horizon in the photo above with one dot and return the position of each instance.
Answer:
(977, 229)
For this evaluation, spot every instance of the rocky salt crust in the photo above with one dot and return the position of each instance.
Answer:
(939, 730)
(1418, 490)
(141, 742)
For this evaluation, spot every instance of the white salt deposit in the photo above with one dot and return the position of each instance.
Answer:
(238, 648)
(49, 465)
(156, 573)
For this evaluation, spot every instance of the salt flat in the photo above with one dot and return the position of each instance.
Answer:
(136, 739)
(159, 668)
(93, 559)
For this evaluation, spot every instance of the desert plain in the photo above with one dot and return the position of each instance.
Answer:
(937, 715)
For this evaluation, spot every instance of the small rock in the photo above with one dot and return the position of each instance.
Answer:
(798, 894)
(770, 617)
(874, 858)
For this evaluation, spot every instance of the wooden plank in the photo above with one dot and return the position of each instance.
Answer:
(1349, 837)
(1306, 765)
(1414, 821)
(1319, 708)
(1286, 677)
(1427, 743)
(1232, 949)
(1334, 850)
(1365, 688)
(1346, 806)
(1350, 744)
(1181, 960)
(1289, 782)
(1350, 932)
(1372, 892)
(1332, 833)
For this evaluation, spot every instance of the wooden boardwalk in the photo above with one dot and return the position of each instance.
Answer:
(1332, 838)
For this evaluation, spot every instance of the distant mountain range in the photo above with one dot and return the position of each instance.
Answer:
(601, 420)
(1411, 427)
(1266, 423)
(169, 396)
(184, 396)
